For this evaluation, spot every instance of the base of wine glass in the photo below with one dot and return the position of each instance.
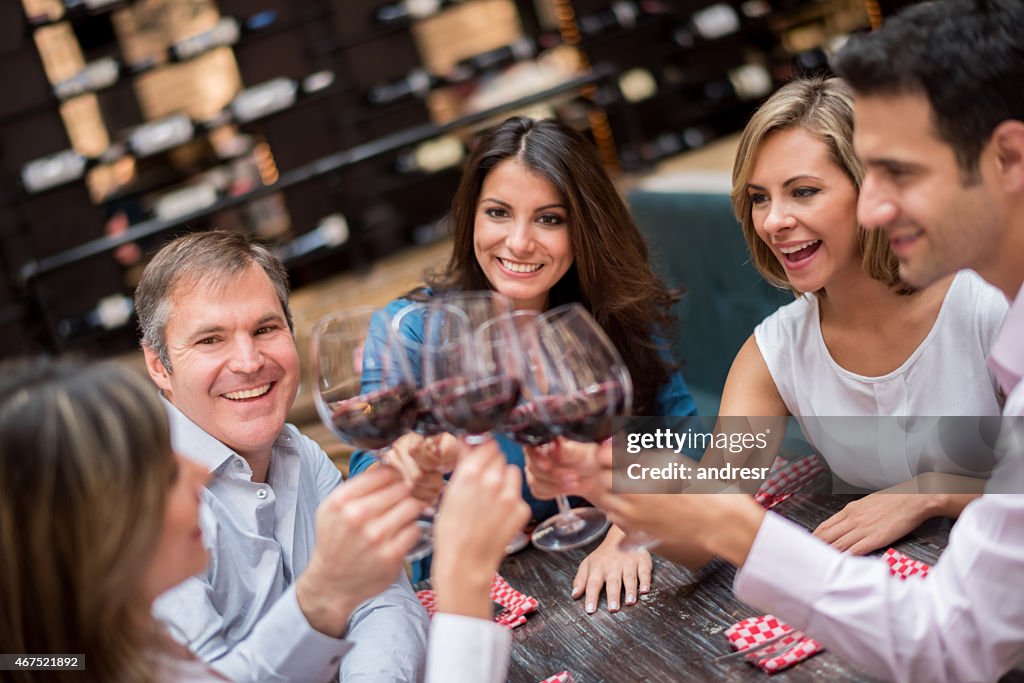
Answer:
(425, 544)
(567, 531)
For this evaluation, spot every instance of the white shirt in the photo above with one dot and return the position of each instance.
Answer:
(467, 650)
(241, 614)
(964, 622)
(876, 454)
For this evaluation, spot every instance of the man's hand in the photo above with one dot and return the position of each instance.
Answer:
(422, 462)
(613, 569)
(692, 527)
(481, 511)
(363, 530)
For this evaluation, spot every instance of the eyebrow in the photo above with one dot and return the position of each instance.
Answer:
(794, 179)
(539, 208)
(214, 329)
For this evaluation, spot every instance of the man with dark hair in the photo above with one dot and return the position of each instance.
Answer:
(939, 127)
(305, 572)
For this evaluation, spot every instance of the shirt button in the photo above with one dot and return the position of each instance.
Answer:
(261, 494)
(238, 464)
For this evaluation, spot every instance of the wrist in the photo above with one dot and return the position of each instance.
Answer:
(470, 598)
(733, 527)
(325, 613)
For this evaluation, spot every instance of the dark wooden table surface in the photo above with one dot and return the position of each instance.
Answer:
(676, 630)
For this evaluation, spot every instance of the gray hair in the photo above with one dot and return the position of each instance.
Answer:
(202, 257)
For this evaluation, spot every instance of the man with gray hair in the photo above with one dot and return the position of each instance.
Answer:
(295, 559)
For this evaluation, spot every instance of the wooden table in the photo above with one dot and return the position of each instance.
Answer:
(676, 630)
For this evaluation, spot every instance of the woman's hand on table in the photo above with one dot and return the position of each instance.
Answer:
(876, 520)
(617, 571)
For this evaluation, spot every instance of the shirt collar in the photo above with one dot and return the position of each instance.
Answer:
(193, 442)
(1006, 358)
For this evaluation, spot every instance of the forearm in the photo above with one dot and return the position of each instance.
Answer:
(949, 494)
(281, 645)
(734, 521)
(964, 622)
(392, 628)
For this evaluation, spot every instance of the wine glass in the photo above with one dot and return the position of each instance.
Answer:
(408, 328)
(595, 388)
(470, 383)
(362, 388)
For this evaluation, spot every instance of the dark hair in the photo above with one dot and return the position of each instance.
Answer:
(200, 257)
(610, 275)
(86, 465)
(965, 56)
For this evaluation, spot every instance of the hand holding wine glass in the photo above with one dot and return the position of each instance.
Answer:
(362, 388)
(595, 388)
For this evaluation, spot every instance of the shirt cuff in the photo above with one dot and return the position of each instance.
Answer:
(467, 649)
(786, 571)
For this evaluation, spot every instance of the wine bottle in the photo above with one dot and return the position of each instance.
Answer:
(332, 231)
(409, 10)
(717, 21)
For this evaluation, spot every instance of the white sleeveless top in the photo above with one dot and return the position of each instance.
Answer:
(945, 375)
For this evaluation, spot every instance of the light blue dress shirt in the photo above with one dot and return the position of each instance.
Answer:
(241, 615)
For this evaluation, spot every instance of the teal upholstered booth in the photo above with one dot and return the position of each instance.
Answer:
(696, 244)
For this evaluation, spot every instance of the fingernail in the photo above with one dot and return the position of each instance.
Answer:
(612, 606)
(590, 608)
(630, 598)
(644, 588)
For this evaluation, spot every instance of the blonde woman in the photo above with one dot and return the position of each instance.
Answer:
(856, 341)
(97, 517)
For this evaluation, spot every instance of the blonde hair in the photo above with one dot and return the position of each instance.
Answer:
(86, 464)
(824, 108)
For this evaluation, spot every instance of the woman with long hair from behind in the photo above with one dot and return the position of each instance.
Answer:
(98, 516)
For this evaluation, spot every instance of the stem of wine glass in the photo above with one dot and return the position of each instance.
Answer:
(564, 510)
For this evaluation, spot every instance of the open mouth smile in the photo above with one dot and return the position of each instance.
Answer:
(517, 267)
(795, 253)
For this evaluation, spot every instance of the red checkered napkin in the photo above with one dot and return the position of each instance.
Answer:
(786, 478)
(517, 605)
(748, 633)
(903, 566)
(563, 677)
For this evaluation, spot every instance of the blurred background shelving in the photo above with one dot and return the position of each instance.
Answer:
(334, 130)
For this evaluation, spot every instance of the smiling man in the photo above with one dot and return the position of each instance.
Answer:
(289, 592)
(939, 128)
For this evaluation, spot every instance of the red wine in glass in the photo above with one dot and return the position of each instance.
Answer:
(376, 419)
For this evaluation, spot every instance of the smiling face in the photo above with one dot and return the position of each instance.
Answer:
(180, 552)
(234, 366)
(521, 234)
(915, 191)
(803, 206)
